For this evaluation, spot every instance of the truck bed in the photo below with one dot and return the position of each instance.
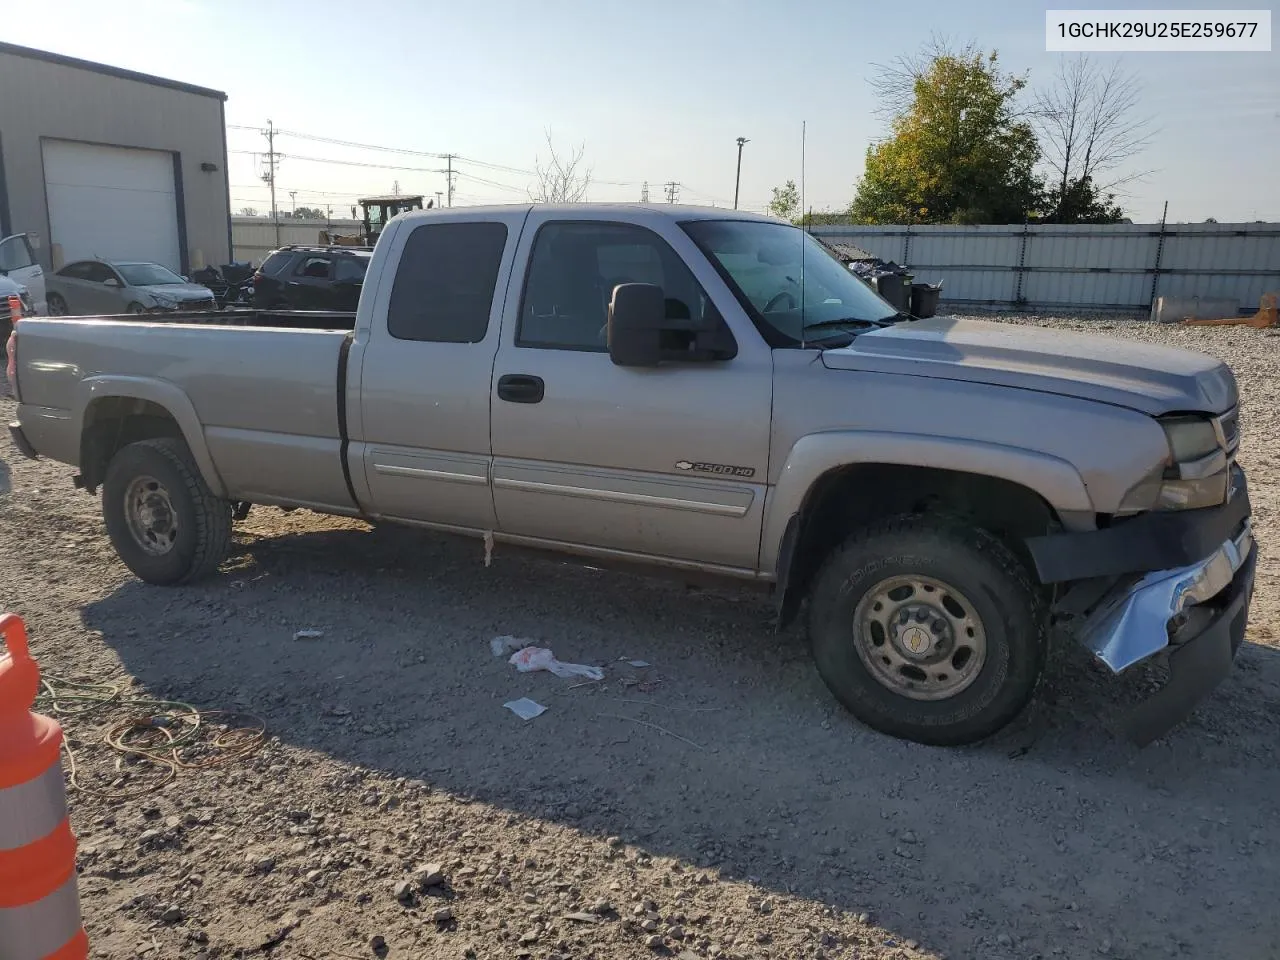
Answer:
(266, 398)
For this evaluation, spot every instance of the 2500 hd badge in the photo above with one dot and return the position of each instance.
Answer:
(722, 469)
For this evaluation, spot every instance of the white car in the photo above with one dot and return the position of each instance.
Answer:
(19, 264)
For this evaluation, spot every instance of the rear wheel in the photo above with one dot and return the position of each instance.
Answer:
(928, 630)
(163, 520)
(57, 305)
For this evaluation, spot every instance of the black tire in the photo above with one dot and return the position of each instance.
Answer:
(136, 307)
(988, 577)
(57, 305)
(201, 522)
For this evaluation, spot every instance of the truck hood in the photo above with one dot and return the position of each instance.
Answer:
(178, 291)
(1153, 380)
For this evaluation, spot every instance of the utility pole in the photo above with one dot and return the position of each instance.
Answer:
(439, 194)
(293, 198)
(449, 174)
(644, 192)
(270, 176)
(395, 188)
(672, 191)
(737, 180)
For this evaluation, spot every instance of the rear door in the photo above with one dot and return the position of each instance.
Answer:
(348, 278)
(421, 432)
(308, 285)
(18, 261)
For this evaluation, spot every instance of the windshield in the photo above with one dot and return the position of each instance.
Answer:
(147, 274)
(790, 283)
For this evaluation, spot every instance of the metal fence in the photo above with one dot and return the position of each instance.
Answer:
(252, 238)
(1121, 266)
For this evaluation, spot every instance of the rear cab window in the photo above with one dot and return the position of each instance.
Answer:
(445, 282)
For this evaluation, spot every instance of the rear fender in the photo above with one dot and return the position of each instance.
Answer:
(162, 393)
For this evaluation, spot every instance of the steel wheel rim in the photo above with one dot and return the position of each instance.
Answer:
(149, 513)
(57, 307)
(919, 637)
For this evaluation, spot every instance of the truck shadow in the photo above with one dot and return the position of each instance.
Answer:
(1054, 834)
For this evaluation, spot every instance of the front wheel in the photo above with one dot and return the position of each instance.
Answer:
(163, 520)
(928, 630)
(136, 307)
(57, 305)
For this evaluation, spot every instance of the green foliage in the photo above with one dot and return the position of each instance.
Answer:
(1080, 202)
(959, 153)
(786, 202)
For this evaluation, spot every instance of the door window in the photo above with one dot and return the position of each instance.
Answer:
(317, 268)
(15, 254)
(574, 269)
(445, 282)
(98, 272)
(350, 270)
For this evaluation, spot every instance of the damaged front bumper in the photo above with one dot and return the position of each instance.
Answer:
(1192, 609)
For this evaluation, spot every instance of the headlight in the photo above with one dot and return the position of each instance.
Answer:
(1196, 475)
(1190, 438)
(164, 302)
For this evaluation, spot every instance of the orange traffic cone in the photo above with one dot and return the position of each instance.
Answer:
(39, 898)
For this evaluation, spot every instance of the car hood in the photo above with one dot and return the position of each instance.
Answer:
(1154, 380)
(178, 291)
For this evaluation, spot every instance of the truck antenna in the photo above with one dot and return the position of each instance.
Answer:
(803, 126)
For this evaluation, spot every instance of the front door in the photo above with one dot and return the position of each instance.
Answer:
(348, 278)
(668, 462)
(19, 262)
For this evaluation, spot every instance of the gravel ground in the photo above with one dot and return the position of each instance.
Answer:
(717, 802)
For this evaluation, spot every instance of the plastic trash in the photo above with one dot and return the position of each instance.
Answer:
(525, 709)
(532, 659)
(501, 646)
(639, 663)
(308, 634)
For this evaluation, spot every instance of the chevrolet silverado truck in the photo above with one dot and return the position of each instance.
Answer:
(703, 391)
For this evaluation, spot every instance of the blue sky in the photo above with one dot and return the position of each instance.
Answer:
(656, 91)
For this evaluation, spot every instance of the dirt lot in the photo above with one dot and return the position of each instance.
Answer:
(767, 824)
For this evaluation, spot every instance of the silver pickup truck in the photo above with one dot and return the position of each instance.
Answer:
(710, 392)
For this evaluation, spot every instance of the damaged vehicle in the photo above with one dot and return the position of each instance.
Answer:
(704, 392)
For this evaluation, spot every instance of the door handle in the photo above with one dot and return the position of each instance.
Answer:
(520, 388)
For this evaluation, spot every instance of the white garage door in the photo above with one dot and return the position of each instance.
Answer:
(111, 203)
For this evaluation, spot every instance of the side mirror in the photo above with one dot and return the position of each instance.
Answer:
(186, 278)
(637, 314)
(111, 282)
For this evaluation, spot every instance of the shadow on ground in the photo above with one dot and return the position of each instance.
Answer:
(1055, 834)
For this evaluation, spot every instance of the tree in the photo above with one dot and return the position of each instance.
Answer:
(786, 202)
(562, 179)
(248, 211)
(958, 153)
(309, 213)
(1089, 127)
(894, 83)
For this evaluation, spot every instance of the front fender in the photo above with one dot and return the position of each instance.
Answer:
(163, 394)
(1055, 480)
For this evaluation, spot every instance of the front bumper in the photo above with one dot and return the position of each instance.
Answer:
(1176, 585)
(21, 442)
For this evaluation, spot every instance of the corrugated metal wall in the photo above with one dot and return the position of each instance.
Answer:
(252, 238)
(1112, 266)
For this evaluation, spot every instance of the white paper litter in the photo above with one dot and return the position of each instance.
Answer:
(308, 634)
(531, 659)
(639, 663)
(525, 709)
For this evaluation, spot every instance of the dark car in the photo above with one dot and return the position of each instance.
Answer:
(311, 278)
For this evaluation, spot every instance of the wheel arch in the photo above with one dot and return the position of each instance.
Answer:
(831, 484)
(116, 411)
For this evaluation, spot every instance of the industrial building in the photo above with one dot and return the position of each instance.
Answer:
(96, 161)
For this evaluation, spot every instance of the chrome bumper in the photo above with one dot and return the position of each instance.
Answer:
(1133, 624)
